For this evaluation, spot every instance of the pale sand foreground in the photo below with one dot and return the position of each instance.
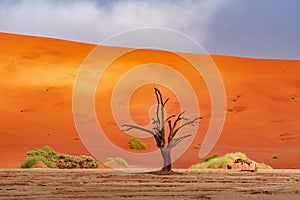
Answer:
(109, 184)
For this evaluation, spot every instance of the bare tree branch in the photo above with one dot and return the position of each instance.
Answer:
(166, 101)
(154, 121)
(155, 125)
(156, 130)
(168, 119)
(158, 106)
(172, 129)
(177, 140)
(170, 137)
(178, 119)
(191, 122)
(162, 111)
(129, 127)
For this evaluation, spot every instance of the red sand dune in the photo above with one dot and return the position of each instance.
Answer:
(37, 77)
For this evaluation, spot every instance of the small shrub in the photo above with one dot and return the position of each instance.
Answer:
(31, 161)
(212, 157)
(53, 159)
(108, 160)
(118, 160)
(47, 152)
(88, 162)
(266, 166)
(65, 161)
(47, 149)
(136, 144)
(275, 157)
(230, 109)
(121, 161)
(219, 162)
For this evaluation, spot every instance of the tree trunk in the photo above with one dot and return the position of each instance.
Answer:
(166, 154)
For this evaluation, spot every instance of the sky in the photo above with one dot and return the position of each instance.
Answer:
(247, 28)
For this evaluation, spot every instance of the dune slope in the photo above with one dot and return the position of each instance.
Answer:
(37, 77)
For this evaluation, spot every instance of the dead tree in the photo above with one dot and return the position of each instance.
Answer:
(165, 142)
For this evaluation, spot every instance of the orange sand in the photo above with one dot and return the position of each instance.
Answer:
(36, 103)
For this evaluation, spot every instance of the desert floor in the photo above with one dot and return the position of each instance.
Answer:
(186, 184)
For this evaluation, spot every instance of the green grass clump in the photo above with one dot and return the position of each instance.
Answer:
(212, 157)
(31, 161)
(230, 109)
(65, 161)
(118, 160)
(47, 152)
(264, 165)
(215, 162)
(53, 159)
(136, 144)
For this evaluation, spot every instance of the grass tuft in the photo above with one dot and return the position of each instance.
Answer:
(212, 157)
(266, 166)
(215, 161)
(230, 109)
(118, 160)
(53, 159)
(136, 144)
(31, 161)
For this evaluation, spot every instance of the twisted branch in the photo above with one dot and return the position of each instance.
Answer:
(158, 129)
(129, 127)
(174, 142)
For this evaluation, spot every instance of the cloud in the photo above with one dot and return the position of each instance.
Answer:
(94, 21)
(251, 28)
(268, 29)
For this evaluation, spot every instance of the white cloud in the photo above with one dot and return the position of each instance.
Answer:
(94, 21)
(251, 28)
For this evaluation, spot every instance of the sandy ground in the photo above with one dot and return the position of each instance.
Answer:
(109, 184)
(37, 78)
